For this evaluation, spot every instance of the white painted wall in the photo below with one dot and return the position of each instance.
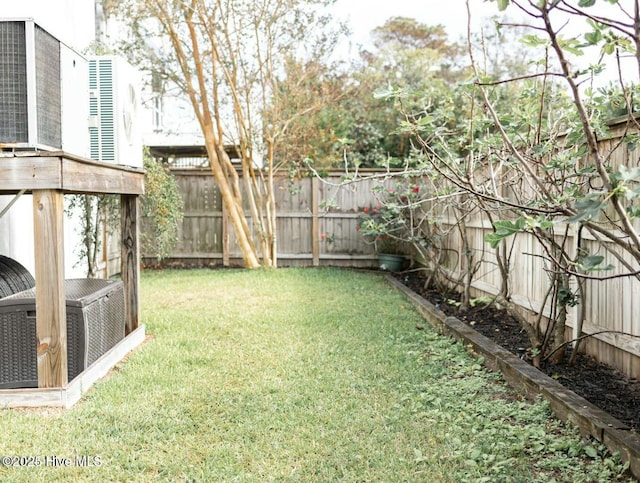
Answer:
(16, 237)
(70, 21)
(16, 231)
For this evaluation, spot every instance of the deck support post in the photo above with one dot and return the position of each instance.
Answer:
(51, 312)
(129, 208)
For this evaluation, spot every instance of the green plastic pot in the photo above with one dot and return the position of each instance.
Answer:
(391, 262)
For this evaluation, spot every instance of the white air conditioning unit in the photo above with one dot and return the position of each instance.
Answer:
(114, 111)
(41, 86)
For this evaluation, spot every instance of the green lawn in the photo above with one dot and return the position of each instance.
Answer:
(296, 375)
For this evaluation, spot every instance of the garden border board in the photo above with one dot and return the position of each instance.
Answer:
(565, 404)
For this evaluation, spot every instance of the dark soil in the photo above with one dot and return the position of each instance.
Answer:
(602, 385)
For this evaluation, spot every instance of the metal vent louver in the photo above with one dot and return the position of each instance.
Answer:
(102, 108)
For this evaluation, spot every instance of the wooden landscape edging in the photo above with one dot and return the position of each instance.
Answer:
(565, 404)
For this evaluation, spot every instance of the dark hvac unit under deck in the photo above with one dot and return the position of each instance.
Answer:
(95, 323)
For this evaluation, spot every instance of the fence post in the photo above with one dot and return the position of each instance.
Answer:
(225, 236)
(315, 232)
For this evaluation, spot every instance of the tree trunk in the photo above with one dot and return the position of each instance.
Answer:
(234, 208)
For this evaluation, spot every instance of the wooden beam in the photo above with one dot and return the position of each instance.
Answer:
(51, 313)
(85, 177)
(130, 259)
(30, 173)
(60, 171)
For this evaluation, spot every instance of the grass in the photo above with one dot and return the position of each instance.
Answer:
(296, 375)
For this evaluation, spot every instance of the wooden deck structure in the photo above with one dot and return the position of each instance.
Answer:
(48, 176)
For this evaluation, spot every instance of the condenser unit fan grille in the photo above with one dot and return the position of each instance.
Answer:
(48, 88)
(13, 83)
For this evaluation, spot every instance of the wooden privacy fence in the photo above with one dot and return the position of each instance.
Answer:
(316, 222)
(612, 307)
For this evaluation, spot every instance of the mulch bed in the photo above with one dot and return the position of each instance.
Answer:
(609, 389)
